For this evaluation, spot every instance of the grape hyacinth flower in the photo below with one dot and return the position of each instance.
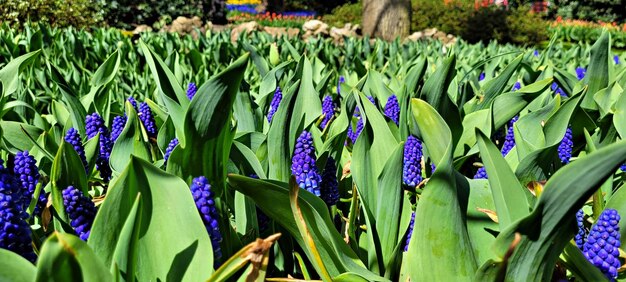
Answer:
(25, 169)
(14, 230)
(203, 196)
(169, 149)
(133, 102)
(412, 162)
(73, 137)
(328, 110)
(341, 80)
(94, 124)
(408, 235)
(146, 117)
(352, 134)
(481, 77)
(616, 59)
(536, 53)
(278, 96)
(580, 73)
(582, 232)
(509, 139)
(623, 167)
(81, 211)
(392, 109)
(191, 90)
(516, 86)
(603, 242)
(303, 164)
(566, 147)
(118, 126)
(558, 90)
(329, 188)
(481, 173)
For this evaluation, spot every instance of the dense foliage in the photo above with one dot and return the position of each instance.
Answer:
(383, 190)
(61, 13)
(591, 10)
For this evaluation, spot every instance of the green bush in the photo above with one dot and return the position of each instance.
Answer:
(347, 13)
(58, 13)
(516, 25)
(127, 13)
(591, 10)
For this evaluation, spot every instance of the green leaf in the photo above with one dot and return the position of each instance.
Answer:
(14, 267)
(272, 197)
(67, 170)
(508, 194)
(440, 209)
(102, 77)
(130, 142)
(9, 74)
(550, 226)
(65, 257)
(125, 253)
(14, 136)
(167, 214)
(597, 75)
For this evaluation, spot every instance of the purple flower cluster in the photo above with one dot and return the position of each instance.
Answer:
(27, 173)
(278, 96)
(509, 139)
(328, 110)
(203, 196)
(602, 245)
(481, 173)
(516, 86)
(191, 90)
(566, 147)
(170, 147)
(341, 80)
(303, 164)
(81, 211)
(14, 230)
(354, 134)
(119, 122)
(580, 73)
(558, 90)
(582, 231)
(392, 109)
(94, 124)
(73, 137)
(146, 117)
(330, 186)
(412, 162)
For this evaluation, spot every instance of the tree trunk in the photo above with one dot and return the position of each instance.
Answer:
(388, 19)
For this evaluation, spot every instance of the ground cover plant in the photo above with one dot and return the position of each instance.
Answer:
(162, 157)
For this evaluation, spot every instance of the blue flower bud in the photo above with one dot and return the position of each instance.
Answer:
(81, 211)
(119, 122)
(602, 245)
(14, 230)
(303, 164)
(147, 119)
(191, 90)
(27, 173)
(278, 96)
(169, 149)
(408, 235)
(73, 137)
(205, 203)
(392, 109)
(94, 124)
(328, 110)
(330, 185)
(412, 162)
(566, 147)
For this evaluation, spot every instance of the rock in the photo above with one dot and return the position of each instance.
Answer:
(440, 35)
(142, 28)
(338, 34)
(429, 32)
(184, 25)
(243, 28)
(415, 36)
(312, 25)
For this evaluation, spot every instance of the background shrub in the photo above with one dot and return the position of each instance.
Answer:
(58, 13)
(128, 13)
(347, 13)
(591, 10)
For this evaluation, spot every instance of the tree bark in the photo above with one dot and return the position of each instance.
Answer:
(387, 19)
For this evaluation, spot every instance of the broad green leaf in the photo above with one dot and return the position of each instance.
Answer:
(10, 73)
(440, 210)
(65, 257)
(597, 76)
(272, 197)
(167, 214)
(67, 170)
(14, 267)
(508, 194)
(130, 143)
